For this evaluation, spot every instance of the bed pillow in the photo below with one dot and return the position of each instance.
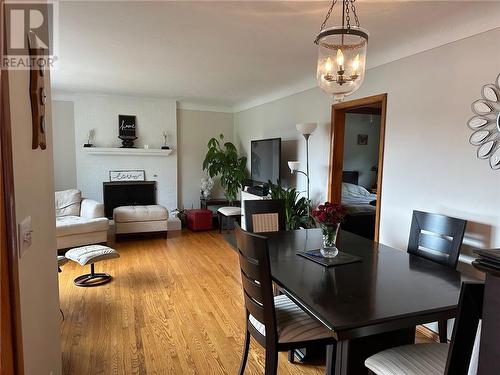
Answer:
(351, 189)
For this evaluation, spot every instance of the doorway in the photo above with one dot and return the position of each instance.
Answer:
(356, 162)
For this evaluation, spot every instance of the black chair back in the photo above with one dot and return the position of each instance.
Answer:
(470, 311)
(436, 237)
(257, 286)
(266, 215)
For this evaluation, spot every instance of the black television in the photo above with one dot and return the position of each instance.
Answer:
(265, 162)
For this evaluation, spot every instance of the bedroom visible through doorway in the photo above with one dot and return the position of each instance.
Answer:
(358, 129)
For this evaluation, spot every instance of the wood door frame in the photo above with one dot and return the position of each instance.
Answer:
(337, 149)
(11, 357)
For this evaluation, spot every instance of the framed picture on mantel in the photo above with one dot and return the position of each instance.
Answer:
(126, 127)
(127, 175)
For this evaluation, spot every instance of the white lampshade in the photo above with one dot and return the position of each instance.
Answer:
(294, 166)
(306, 129)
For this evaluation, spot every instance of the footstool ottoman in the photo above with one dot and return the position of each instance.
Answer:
(140, 219)
(199, 219)
(89, 255)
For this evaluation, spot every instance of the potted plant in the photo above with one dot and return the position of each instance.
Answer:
(329, 216)
(222, 160)
(296, 208)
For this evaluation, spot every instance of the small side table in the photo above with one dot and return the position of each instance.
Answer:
(206, 203)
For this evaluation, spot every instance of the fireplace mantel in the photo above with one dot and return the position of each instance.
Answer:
(126, 151)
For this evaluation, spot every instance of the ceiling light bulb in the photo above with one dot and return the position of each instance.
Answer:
(340, 59)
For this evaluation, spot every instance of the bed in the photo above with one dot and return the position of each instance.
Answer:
(360, 205)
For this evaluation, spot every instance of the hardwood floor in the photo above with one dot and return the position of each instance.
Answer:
(174, 306)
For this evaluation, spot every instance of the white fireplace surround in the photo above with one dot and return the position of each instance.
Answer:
(100, 112)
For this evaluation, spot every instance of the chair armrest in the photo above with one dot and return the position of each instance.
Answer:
(91, 209)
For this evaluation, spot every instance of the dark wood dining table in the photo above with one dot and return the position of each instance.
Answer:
(370, 305)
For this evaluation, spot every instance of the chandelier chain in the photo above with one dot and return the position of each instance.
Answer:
(345, 6)
(347, 17)
(328, 15)
(356, 19)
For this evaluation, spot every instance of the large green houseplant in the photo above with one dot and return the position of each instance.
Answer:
(222, 160)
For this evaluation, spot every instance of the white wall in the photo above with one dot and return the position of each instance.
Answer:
(34, 195)
(63, 132)
(428, 163)
(153, 116)
(357, 157)
(195, 128)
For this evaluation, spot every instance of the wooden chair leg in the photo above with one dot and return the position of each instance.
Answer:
(271, 361)
(443, 331)
(246, 346)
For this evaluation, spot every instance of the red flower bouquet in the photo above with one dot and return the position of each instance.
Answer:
(329, 216)
(329, 213)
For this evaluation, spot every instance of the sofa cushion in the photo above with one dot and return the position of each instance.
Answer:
(68, 202)
(70, 225)
(129, 214)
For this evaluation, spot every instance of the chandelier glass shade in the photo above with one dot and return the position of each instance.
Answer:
(341, 55)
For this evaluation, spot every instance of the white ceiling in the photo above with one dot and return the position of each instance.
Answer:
(234, 55)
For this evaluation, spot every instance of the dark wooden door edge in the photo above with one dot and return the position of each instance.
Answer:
(12, 346)
(337, 149)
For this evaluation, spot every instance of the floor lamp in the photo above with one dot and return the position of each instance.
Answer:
(306, 130)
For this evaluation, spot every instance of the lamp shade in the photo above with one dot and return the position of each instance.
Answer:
(306, 129)
(294, 166)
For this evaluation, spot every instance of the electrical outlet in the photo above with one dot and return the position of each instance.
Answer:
(25, 235)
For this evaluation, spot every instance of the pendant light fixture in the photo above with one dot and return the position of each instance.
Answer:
(341, 54)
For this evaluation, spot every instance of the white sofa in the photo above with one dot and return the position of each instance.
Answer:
(79, 221)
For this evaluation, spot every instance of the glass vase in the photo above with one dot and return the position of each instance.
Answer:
(329, 237)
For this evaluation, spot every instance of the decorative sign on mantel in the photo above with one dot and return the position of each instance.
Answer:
(127, 175)
(126, 130)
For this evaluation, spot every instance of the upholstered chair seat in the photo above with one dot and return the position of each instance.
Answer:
(293, 323)
(418, 359)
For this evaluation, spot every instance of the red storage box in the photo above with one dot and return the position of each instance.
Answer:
(199, 219)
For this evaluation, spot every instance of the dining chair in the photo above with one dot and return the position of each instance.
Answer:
(265, 215)
(437, 238)
(276, 323)
(438, 358)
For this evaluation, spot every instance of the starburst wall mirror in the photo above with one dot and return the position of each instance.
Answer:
(485, 124)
